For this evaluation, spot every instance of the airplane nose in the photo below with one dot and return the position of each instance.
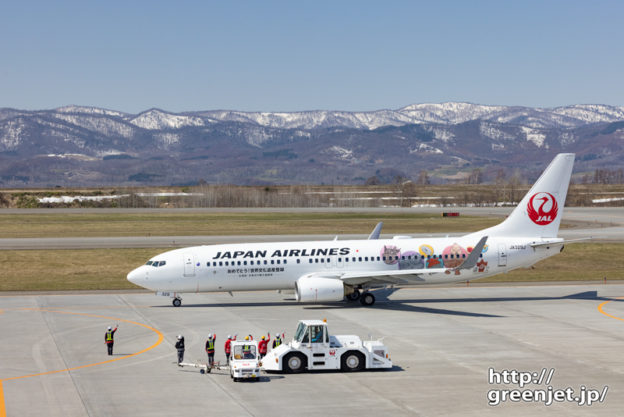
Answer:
(135, 276)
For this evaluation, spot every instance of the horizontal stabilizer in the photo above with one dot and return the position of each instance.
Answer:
(474, 256)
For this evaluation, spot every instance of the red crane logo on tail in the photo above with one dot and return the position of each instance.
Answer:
(542, 208)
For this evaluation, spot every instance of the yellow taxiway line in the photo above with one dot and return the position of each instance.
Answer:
(158, 342)
(607, 314)
(2, 409)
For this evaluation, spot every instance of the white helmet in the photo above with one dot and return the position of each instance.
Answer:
(179, 336)
(110, 328)
(209, 335)
(277, 335)
(229, 336)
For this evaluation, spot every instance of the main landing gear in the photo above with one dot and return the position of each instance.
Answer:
(177, 302)
(366, 298)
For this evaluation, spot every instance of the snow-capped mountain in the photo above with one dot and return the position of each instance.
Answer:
(444, 113)
(88, 145)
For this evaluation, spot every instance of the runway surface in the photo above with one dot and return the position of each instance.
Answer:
(443, 342)
(601, 224)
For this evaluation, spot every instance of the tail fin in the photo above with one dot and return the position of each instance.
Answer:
(540, 211)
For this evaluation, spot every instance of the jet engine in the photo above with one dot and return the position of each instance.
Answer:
(317, 289)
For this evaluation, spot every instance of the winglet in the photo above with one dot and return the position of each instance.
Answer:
(376, 232)
(473, 258)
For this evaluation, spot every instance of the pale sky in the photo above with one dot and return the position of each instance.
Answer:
(289, 56)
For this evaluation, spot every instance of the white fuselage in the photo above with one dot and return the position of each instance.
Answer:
(277, 266)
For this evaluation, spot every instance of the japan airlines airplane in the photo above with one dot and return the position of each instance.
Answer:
(326, 271)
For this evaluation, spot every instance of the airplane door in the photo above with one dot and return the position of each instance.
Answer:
(189, 265)
(502, 254)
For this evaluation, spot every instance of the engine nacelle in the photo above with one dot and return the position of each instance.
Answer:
(318, 290)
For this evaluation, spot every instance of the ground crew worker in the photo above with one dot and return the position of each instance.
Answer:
(277, 341)
(263, 344)
(210, 348)
(180, 347)
(228, 348)
(109, 339)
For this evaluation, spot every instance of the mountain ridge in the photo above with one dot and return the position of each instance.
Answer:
(86, 145)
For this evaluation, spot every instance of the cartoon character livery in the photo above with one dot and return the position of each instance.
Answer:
(331, 271)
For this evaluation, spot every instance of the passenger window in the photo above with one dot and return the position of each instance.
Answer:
(238, 262)
(346, 259)
(366, 258)
(316, 260)
(384, 258)
(298, 261)
(285, 261)
(244, 262)
(272, 262)
(463, 255)
(310, 260)
(322, 260)
(220, 263)
(278, 261)
(339, 259)
(378, 258)
(360, 259)
(265, 261)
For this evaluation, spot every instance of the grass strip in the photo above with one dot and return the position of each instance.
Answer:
(196, 224)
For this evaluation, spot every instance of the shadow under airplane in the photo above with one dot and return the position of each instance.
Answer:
(408, 304)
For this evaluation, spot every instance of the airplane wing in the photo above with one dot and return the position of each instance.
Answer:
(402, 276)
(376, 232)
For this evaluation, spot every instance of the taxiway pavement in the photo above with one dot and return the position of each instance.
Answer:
(443, 342)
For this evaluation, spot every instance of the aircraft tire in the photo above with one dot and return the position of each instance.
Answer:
(354, 296)
(367, 299)
(177, 302)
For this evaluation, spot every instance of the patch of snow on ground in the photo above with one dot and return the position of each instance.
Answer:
(342, 153)
(11, 135)
(66, 199)
(494, 133)
(607, 200)
(168, 139)
(441, 134)
(424, 148)
(534, 136)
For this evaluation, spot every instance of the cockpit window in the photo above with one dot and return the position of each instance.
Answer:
(148, 263)
(161, 263)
